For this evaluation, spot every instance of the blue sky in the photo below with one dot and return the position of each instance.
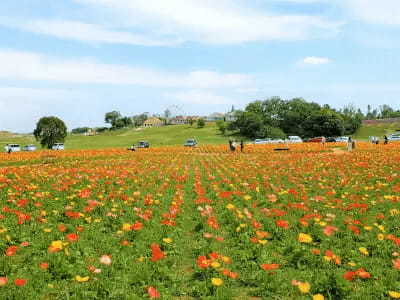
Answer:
(78, 59)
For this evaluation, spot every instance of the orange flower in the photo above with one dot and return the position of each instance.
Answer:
(137, 226)
(153, 293)
(282, 224)
(72, 237)
(20, 282)
(396, 263)
(202, 262)
(269, 267)
(11, 251)
(157, 254)
(44, 265)
(3, 281)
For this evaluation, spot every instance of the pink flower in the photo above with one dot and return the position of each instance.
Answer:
(105, 260)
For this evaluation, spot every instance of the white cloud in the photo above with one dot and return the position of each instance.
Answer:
(386, 12)
(214, 22)
(31, 66)
(314, 60)
(85, 32)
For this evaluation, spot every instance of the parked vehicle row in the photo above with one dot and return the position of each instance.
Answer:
(29, 148)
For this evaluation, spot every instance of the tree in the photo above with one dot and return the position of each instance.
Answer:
(191, 121)
(112, 117)
(80, 130)
(222, 126)
(50, 130)
(201, 123)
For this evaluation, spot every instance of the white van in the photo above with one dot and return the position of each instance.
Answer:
(294, 139)
(58, 146)
(12, 148)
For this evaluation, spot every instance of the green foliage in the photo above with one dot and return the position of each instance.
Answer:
(222, 126)
(50, 130)
(112, 117)
(277, 118)
(201, 123)
(80, 130)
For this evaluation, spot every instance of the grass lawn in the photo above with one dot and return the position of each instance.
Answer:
(161, 136)
(378, 130)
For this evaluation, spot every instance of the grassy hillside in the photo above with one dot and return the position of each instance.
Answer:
(161, 136)
(379, 130)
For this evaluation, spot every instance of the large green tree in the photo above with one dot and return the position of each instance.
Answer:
(50, 130)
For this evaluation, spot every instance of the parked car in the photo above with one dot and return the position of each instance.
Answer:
(394, 137)
(276, 141)
(143, 144)
(261, 141)
(29, 148)
(342, 139)
(330, 140)
(315, 140)
(12, 148)
(191, 143)
(294, 139)
(58, 146)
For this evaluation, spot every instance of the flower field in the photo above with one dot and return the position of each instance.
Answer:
(315, 222)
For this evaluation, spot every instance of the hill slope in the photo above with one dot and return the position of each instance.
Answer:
(161, 136)
(377, 128)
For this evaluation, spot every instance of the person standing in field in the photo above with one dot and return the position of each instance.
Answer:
(323, 140)
(231, 146)
(386, 140)
(349, 144)
(241, 146)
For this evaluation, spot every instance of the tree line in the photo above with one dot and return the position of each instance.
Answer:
(278, 118)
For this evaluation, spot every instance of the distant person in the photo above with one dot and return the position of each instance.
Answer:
(231, 146)
(350, 144)
(386, 140)
(323, 140)
(132, 148)
(241, 146)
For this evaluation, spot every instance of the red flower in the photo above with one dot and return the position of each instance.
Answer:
(396, 263)
(72, 237)
(3, 281)
(11, 251)
(137, 226)
(153, 293)
(44, 265)
(349, 275)
(282, 223)
(157, 254)
(202, 262)
(329, 230)
(270, 267)
(20, 282)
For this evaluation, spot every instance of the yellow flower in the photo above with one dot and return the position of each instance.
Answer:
(395, 295)
(81, 279)
(381, 237)
(126, 227)
(167, 240)
(57, 245)
(352, 264)
(226, 259)
(304, 287)
(217, 281)
(363, 250)
(318, 297)
(140, 259)
(247, 197)
(47, 230)
(368, 228)
(230, 206)
(304, 238)
(262, 242)
(215, 264)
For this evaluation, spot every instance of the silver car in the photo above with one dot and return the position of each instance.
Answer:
(58, 146)
(12, 148)
(29, 148)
